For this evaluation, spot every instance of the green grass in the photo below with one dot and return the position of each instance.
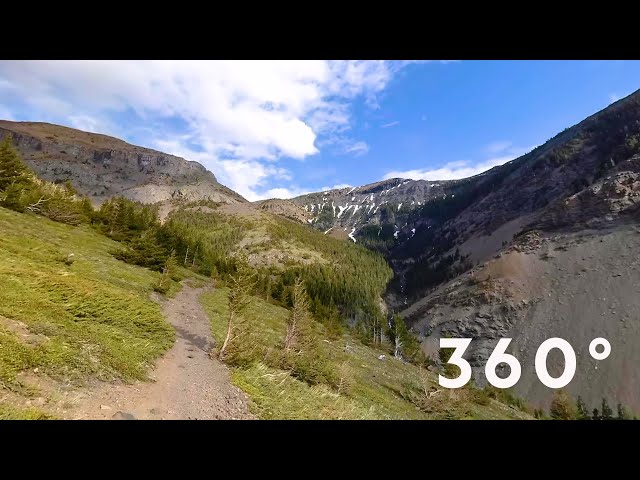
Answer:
(373, 389)
(12, 413)
(91, 319)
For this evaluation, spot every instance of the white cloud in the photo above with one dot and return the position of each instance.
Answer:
(336, 187)
(357, 148)
(614, 97)
(92, 124)
(285, 193)
(241, 113)
(243, 175)
(295, 191)
(460, 169)
(391, 124)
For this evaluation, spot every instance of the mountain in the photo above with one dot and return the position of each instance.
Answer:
(101, 167)
(542, 246)
(377, 204)
(97, 302)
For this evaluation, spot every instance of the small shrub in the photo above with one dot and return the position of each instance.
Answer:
(481, 397)
(562, 408)
(66, 259)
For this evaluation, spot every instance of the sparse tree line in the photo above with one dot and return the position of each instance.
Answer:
(21, 190)
(299, 351)
(349, 285)
(564, 408)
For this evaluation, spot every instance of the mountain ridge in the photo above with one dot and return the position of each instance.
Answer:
(101, 166)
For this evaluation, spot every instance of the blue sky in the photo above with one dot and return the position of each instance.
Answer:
(285, 128)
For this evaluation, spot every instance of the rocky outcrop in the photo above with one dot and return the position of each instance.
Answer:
(599, 204)
(101, 167)
(284, 208)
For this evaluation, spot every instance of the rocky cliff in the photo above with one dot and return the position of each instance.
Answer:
(101, 166)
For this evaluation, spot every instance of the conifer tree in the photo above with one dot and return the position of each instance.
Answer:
(299, 322)
(606, 412)
(303, 354)
(163, 284)
(15, 178)
(12, 168)
(398, 334)
(622, 413)
(583, 412)
(241, 285)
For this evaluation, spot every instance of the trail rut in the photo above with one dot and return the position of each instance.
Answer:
(186, 384)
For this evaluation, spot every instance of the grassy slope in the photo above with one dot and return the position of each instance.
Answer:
(90, 319)
(8, 412)
(376, 389)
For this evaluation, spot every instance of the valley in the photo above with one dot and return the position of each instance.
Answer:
(544, 245)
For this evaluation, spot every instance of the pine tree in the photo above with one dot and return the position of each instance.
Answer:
(299, 321)
(15, 179)
(12, 168)
(163, 284)
(606, 412)
(241, 285)
(303, 355)
(622, 413)
(596, 415)
(583, 412)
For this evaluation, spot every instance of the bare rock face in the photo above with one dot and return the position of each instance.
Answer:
(101, 167)
(284, 208)
(602, 202)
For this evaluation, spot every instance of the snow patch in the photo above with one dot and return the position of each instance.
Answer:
(351, 190)
(351, 234)
(328, 230)
(399, 206)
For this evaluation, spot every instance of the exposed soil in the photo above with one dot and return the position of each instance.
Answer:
(576, 286)
(187, 384)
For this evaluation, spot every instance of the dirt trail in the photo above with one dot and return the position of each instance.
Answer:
(187, 383)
